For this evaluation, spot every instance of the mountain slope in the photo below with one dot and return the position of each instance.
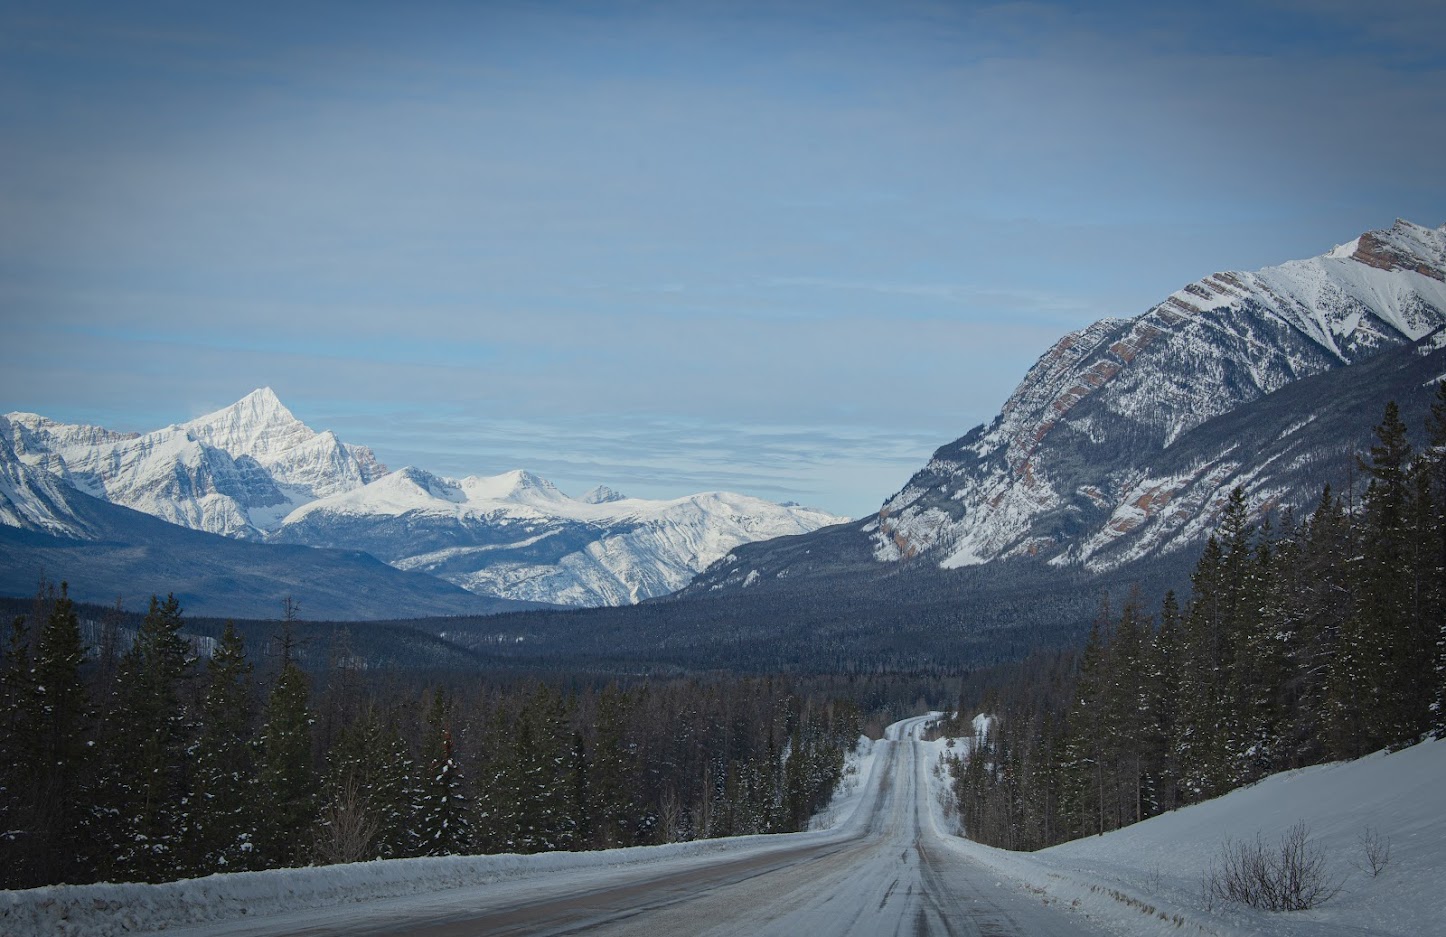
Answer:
(130, 555)
(517, 536)
(1115, 453)
(1079, 433)
(235, 472)
(260, 427)
(253, 471)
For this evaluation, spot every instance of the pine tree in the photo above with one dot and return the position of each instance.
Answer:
(614, 774)
(1198, 745)
(1087, 779)
(1379, 658)
(1166, 702)
(363, 795)
(1262, 636)
(47, 763)
(287, 776)
(1323, 590)
(16, 682)
(1130, 697)
(581, 804)
(446, 823)
(1435, 468)
(140, 820)
(398, 796)
(223, 807)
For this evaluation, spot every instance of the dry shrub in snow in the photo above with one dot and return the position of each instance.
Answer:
(1375, 850)
(1290, 876)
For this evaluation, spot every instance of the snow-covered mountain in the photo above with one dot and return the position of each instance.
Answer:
(517, 536)
(32, 498)
(1064, 470)
(1126, 437)
(235, 472)
(253, 471)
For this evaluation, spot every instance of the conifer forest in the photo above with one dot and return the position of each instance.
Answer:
(1304, 640)
(149, 765)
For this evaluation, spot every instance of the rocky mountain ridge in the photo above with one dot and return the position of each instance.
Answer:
(1124, 439)
(253, 471)
(1064, 468)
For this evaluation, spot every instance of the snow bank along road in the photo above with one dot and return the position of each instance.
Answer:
(884, 871)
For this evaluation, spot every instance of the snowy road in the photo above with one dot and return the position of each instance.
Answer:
(885, 871)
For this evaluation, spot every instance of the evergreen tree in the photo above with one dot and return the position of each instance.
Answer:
(614, 774)
(16, 681)
(1166, 705)
(446, 823)
(223, 807)
(1263, 637)
(1380, 667)
(1435, 469)
(581, 804)
(369, 795)
(287, 776)
(144, 785)
(1323, 596)
(1087, 780)
(47, 755)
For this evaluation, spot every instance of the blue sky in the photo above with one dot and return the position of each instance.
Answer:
(787, 248)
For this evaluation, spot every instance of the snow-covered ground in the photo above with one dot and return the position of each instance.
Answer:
(858, 768)
(1149, 878)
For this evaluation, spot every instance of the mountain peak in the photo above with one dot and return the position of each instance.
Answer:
(516, 485)
(1127, 390)
(1403, 246)
(262, 397)
(244, 423)
(602, 494)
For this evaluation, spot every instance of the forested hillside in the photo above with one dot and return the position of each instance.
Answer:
(155, 762)
(1304, 640)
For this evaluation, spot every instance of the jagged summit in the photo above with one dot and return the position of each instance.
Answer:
(1126, 437)
(252, 470)
(515, 535)
(517, 485)
(1072, 441)
(602, 494)
(1404, 246)
(237, 471)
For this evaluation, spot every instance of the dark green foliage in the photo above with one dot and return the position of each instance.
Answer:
(371, 795)
(186, 777)
(1300, 643)
(223, 805)
(145, 784)
(287, 777)
(444, 815)
(1434, 572)
(47, 764)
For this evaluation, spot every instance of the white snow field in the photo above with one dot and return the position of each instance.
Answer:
(886, 862)
(1153, 872)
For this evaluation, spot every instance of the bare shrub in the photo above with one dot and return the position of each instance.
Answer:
(1291, 876)
(347, 827)
(1375, 851)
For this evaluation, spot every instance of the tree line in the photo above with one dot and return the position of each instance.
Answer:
(1302, 642)
(171, 757)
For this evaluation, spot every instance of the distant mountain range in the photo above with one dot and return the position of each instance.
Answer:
(254, 472)
(52, 530)
(1107, 466)
(1124, 440)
